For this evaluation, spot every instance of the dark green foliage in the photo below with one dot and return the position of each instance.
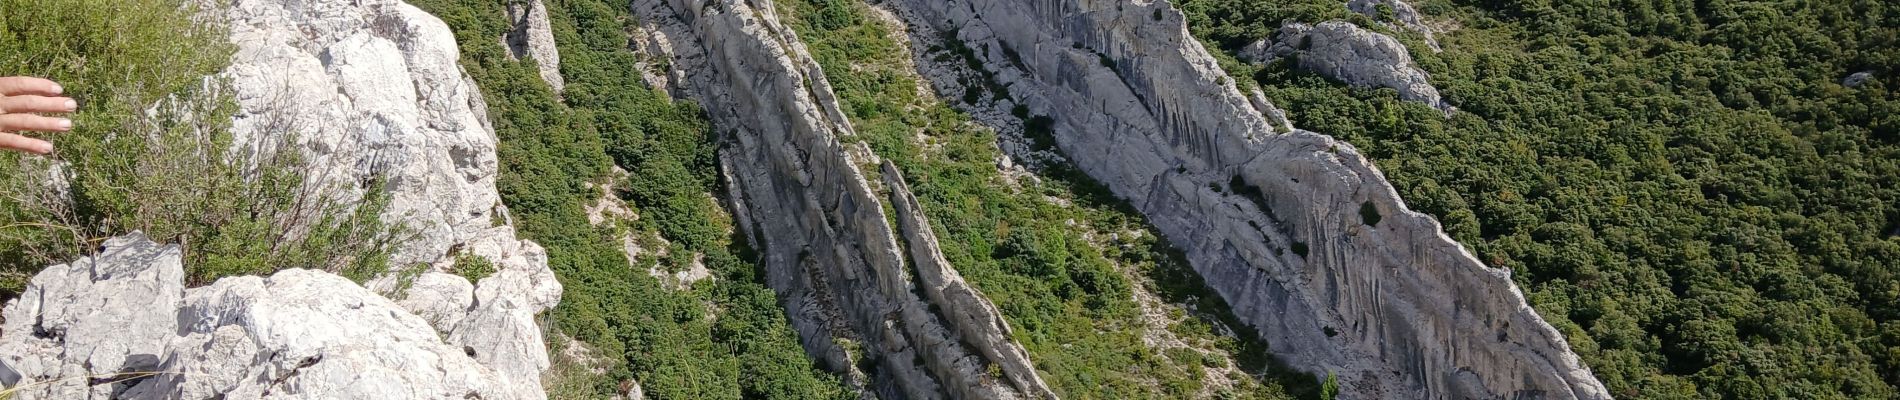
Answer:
(669, 339)
(1683, 188)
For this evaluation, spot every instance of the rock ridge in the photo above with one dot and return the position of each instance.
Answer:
(1301, 234)
(855, 296)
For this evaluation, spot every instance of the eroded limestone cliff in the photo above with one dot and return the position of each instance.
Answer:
(1300, 233)
(861, 304)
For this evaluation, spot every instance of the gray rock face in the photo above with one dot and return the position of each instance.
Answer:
(1858, 78)
(798, 193)
(92, 316)
(1402, 15)
(534, 37)
(1308, 242)
(124, 317)
(373, 88)
(1358, 57)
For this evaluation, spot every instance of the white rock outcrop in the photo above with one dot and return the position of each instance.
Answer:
(1301, 234)
(828, 248)
(1358, 57)
(372, 89)
(1402, 15)
(533, 37)
(120, 324)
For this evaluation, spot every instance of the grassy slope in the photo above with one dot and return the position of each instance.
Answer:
(1683, 188)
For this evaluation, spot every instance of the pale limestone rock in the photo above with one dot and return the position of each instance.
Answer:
(533, 37)
(440, 298)
(90, 317)
(1411, 313)
(299, 334)
(1358, 57)
(373, 88)
(800, 196)
(1276, 118)
(1403, 15)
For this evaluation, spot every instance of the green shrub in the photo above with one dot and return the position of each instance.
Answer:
(472, 267)
(172, 171)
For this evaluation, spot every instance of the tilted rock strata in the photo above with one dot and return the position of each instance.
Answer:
(974, 317)
(827, 247)
(373, 89)
(533, 37)
(1281, 226)
(123, 316)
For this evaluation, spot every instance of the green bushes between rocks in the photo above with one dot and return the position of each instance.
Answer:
(725, 338)
(171, 171)
(1069, 296)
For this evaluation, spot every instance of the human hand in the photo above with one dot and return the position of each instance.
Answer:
(21, 101)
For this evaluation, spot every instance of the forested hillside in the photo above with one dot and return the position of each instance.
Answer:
(1687, 190)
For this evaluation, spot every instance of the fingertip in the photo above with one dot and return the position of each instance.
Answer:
(65, 124)
(43, 148)
(71, 105)
(58, 89)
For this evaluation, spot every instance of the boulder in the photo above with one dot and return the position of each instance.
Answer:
(1858, 78)
(120, 324)
(1358, 57)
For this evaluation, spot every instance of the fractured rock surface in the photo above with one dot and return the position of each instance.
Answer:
(1300, 234)
(372, 89)
(121, 325)
(799, 195)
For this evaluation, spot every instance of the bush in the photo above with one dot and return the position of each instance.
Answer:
(152, 151)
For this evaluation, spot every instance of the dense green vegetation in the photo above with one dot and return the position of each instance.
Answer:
(1062, 282)
(1684, 188)
(171, 172)
(720, 339)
